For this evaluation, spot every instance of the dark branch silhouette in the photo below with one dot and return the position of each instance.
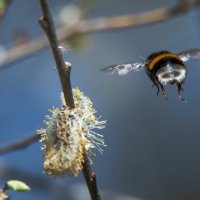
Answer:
(19, 145)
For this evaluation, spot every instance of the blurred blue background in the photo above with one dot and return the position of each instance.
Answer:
(153, 148)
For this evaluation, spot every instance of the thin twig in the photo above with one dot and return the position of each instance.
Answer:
(46, 23)
(133, 20)
(96, 25)
(19, 145)
(90, 179)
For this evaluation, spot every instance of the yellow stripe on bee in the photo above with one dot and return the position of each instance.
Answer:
(160, 57)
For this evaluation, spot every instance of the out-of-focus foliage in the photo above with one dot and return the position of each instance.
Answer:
(3, 195)
(78, 41)
(87, 3)
(17, 186)
(3, 5)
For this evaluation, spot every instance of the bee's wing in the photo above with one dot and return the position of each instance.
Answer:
(123, 69)
(189, 54)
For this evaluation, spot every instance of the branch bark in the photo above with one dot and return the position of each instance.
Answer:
(19, 145)
(47, 24)
(91, 180)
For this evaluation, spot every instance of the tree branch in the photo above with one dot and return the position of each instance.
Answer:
(130, 21)
(19, 145)
(97, 25)
(46, 23)
(90, 179)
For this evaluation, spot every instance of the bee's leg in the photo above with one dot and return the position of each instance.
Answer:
(180, 89)
(158, 89)
(157, 86)
(153, 78)
(163, 91)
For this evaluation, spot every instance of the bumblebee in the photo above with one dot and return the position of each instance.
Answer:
(162, 68)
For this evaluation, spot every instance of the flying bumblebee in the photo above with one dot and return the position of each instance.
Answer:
(162, 68)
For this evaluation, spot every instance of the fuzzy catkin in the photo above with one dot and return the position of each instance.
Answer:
(69, 134)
